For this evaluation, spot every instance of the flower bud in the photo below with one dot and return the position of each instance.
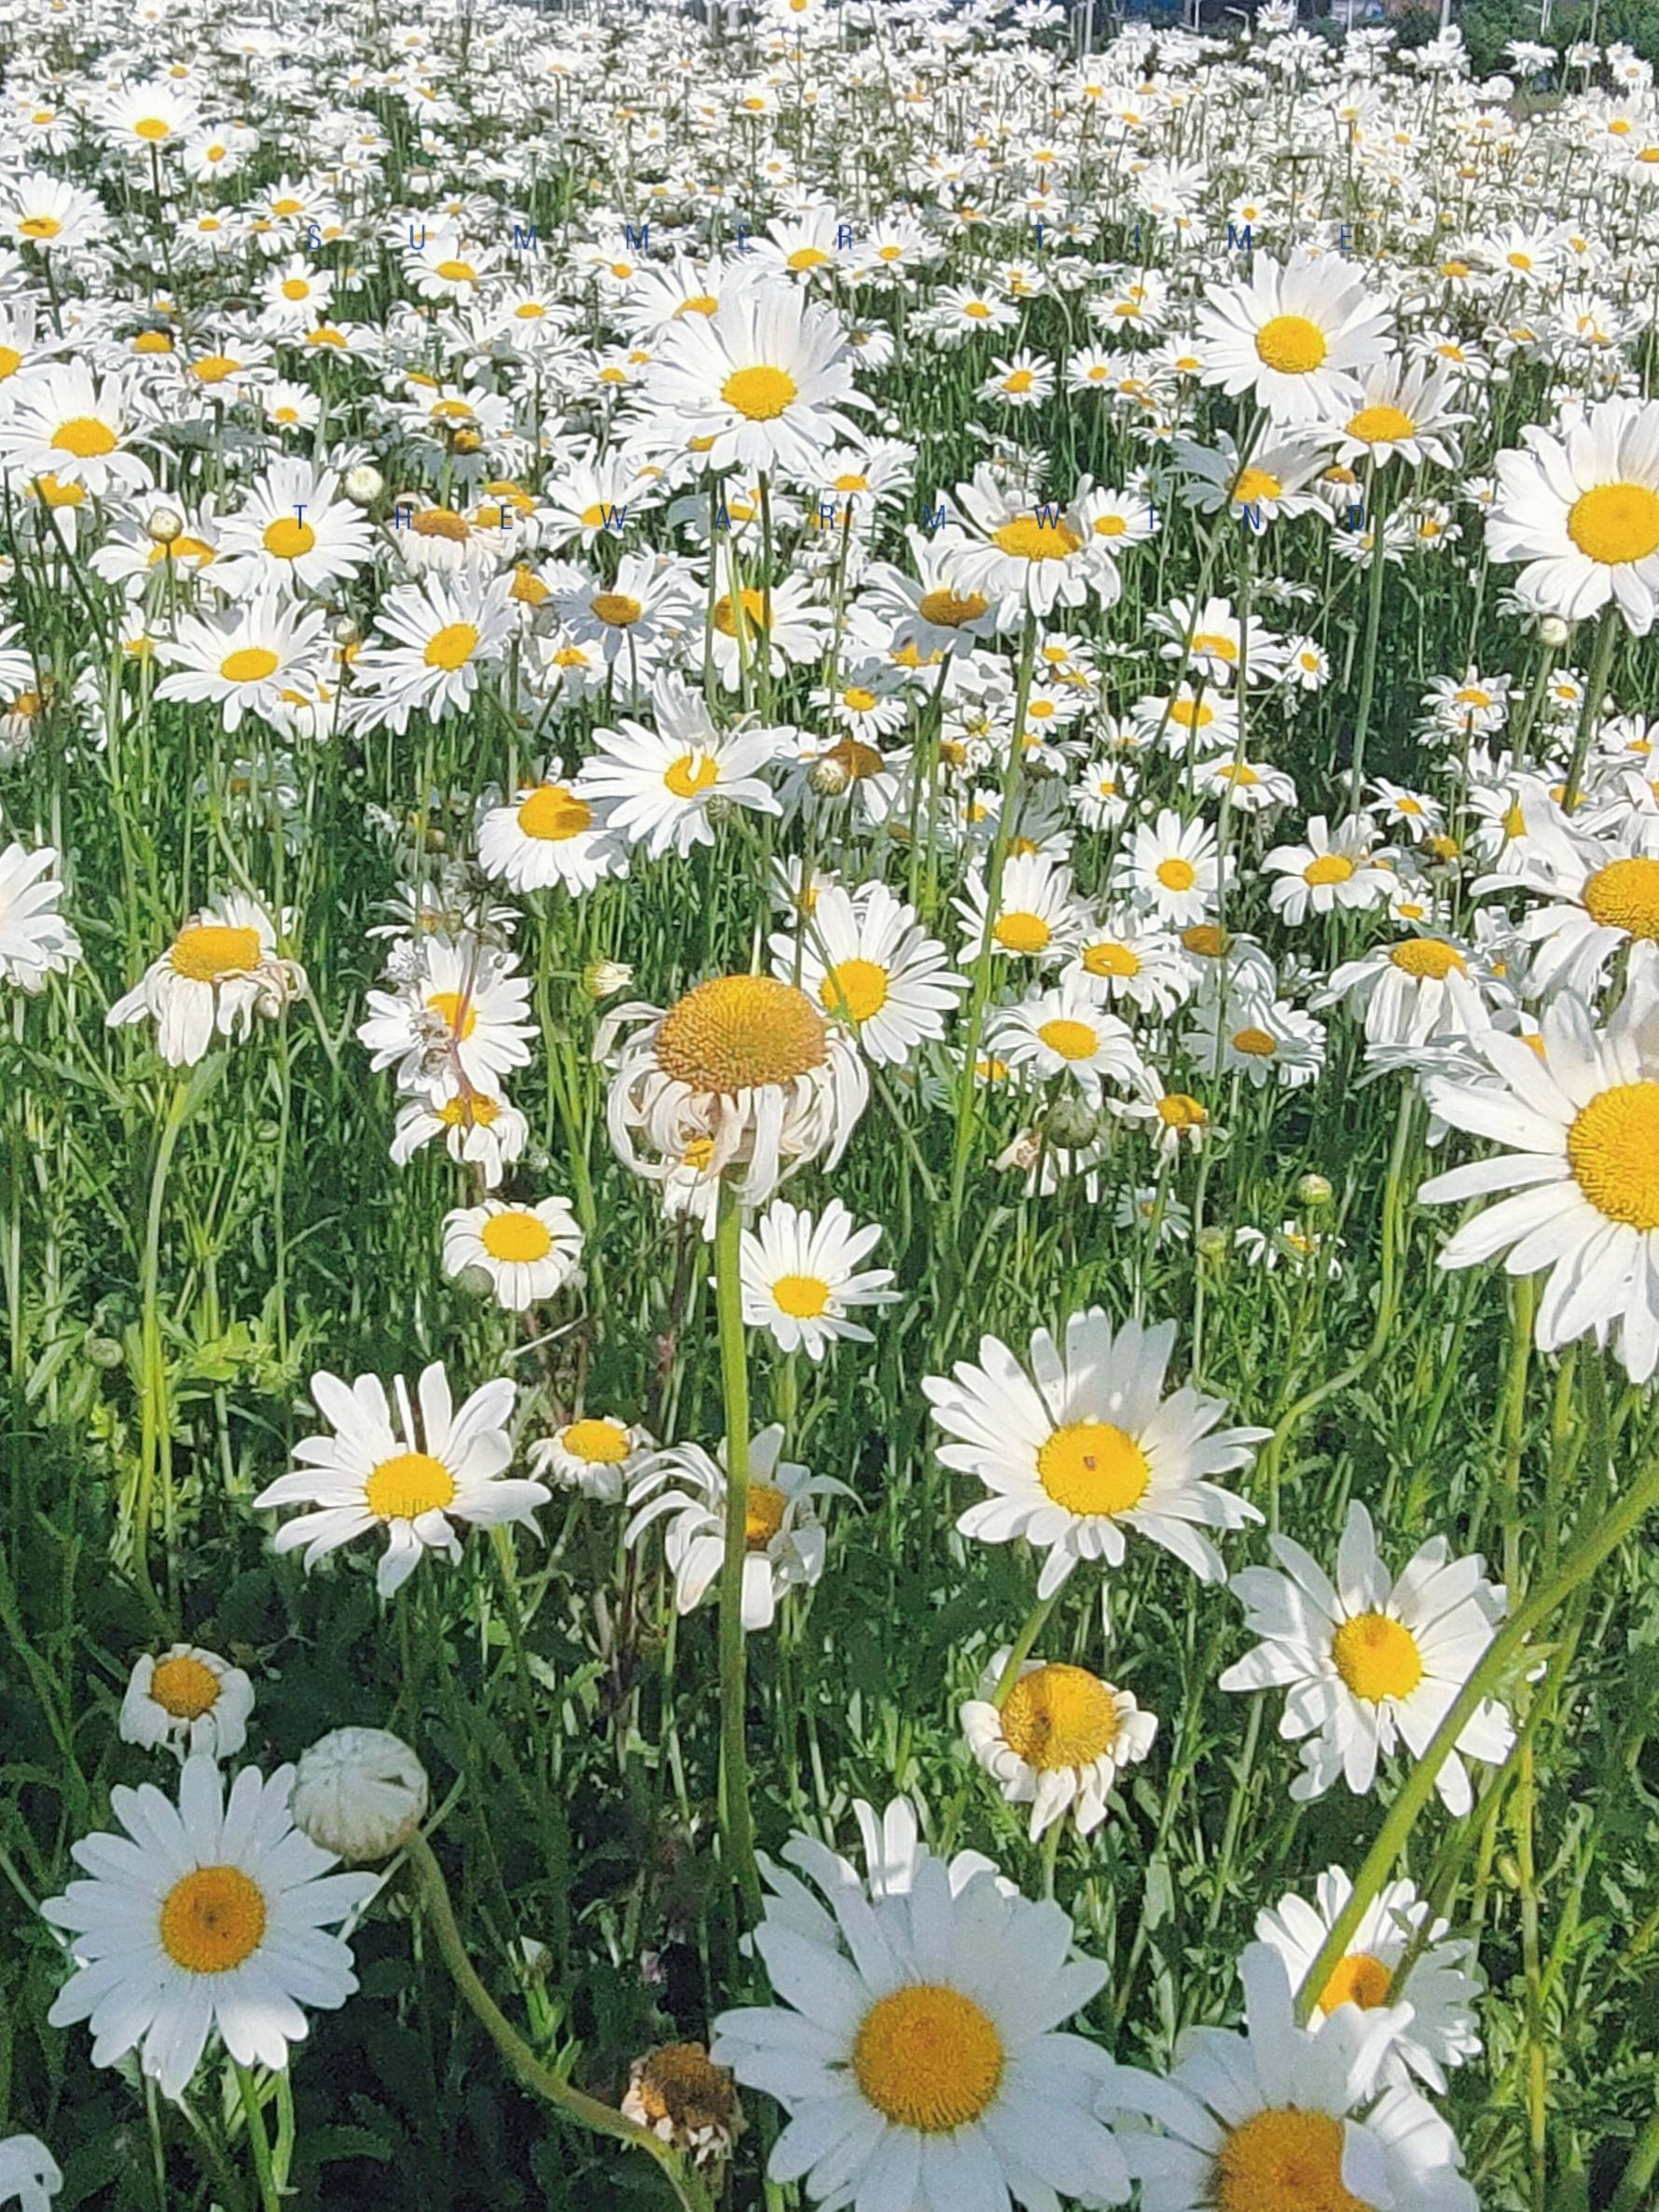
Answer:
(1070, 1124)
(104, 1351)
(359, 1792)
(1314, 1190)
(364, 484)
(1553, 631)
(163, 525)
(604, 980)
(1213, 1241)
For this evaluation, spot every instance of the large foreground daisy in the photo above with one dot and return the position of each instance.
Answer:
(760, 384)
(917, 2052)
(1294, 335)
(205, 1915)
(1582, 512)
(1091, 1448)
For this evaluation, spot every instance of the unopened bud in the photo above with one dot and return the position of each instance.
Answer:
(344, 630)
(359, 1792)
(364, 484)
(1553, 631)
(1070, 1124)
(163, 525)
(1213, 1241)
(104, 1351)
(604, 980)
(1314, 1190)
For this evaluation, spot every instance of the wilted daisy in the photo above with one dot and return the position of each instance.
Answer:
(205, 1916)
(686, 2101)
(221, 969)
(869, 963)
(525, 1253)
(189, 1699)
(783, 1540)
(1091, 1448)
(802, 1277)
(597, 1457)
(1440, 1986)
(920, 2035)
(455, 1026)
(413, 1479)
(1059, 1740)
(35, 940)
(479, 1131)
(1372, 1660)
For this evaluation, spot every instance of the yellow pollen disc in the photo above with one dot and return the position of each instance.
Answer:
(616, 608)
(742, 1032)
(1292, 344)
(406, 1486)
(1428, 958)
(208, 950)
(1615, 523)
(1378, 1656)
(763, 1515)
(1106, 959)
(1176, 874)
(288, 538)
(447, 1005)
(1256, 483)
(803, 1297)
(757, 613)
(1093, 1467)
(1283, 2161)
(466, 1110)
(1022, 933)
(10, 362)
(450, 647)
(249, 664)
(553, 814)
(1028, 539)
(948, 612)
(211, 1919)
(692, 773)
(516, 1237)
(42, 227)
(601, 1443)
(1217, 646)
(1110, 526)
(296, 289)
(855, 987)
(1624, 895)
(84, 436)
(1069, 1040)
(851, 482)
(807, 258)
(759, 395)
(458, 272)
(1259, 1044)
(1056, 1717)
(152, 130)
(928, 2058)
(700, 303)
(1191, 714)
(858, 699)
(1022, 379)
(184, 1687)
(1612, 1148)
(1330, 867)
(1180, 1110)
(1357, 1980)
(441, 522)
(1376, 425)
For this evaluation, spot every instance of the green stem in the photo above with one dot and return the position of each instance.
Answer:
(1601, 661)
(736, 1817)
(259, 2141)
(1036, 1621)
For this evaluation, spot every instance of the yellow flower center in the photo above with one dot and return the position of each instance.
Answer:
(553, 814)
(248, 664)
(692, 773)
(1191, 714)
(289, 538)
(1357, 1980)
(457, 272)
(441, 522)
(1093, 1467)
(10, 362)
(1019, 380)
(1256, 483)
(207, 950)
(1176, 874)
(1026, 538)
(600, 1443)
(468, 1110)
(515, 1236)
(1022, 933)
(858, 699)
(1180, 1110)
(1377, 1657)
(763, 1515)
(211, 1919)
(1376, 425)
(1283, 2161)
(757, 611)
(807, 258)
(760, 394)
(928, 2058)
(855, 987)
(1069, 1040)
(1058, 1717)
(296, 289)
(1428, 958)
(1258, 1044)
(803, 1297)
(1612, 1148)
(1206, 939)
(84, 436)
(451, 647)
(212, 368)
(184, 1687)
(459, 1015)
(1624, 895)
(1330, 867)
(406, 1486)
(1292, 345)
(1615, 523)
(152, 130)
(42, 227)
(1110, 959)
(740, 1032)
(616, 608)
(948, 612)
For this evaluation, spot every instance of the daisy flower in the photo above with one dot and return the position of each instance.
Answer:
(1174, 867)
(205, 1916)
(1263, 1039)
(384, 1470)
(1330, 869)
(30, 2176)
(1065, 1031)
(869, 963)
(1371, 1660)
(1414, 991)
(1277, 2118)
(597, 1457)
(526, 1252)
(1582, 511)
(783, 1540)
(1037, 918)
(188, 1699)
(70, 427)
(457, 1025)
(659, 784)
(1602, 894)
(551, 834)
(1579, 1117)
(1029, 557)
(295, 533)
(1126, 954)
(478, 1130)
(764, 381)
(35, 941)
(919, 2052)
(243, 662)
(1091, 1448)
(441, 632)
(221, 969)
(801, 1277)
(1440, 1986)
(1058, 1741)
(1405, 410)
(1296, 336)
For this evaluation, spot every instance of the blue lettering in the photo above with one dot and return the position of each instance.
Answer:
(1252, 519)
(614, 518)
(743, 237)
(417, 243)
(1047, 517)
(1356, 516)
(1345, 239)
(825, 515)
(1039, 234)
(721, 519)
(403, 517)
(299, 510)
(641, 243)
(933, 517)
(1241, 241)
(526, 235)
(843, 234)
(313, 237)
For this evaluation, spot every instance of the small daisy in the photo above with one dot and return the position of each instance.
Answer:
(1026, 556)
(221, 969)
(1174, 867)
(190, 1700)
(526, 1253)
(662, 784)
(1058, 1741)
(456, 1026)
(1415, 990)
(1037, 918)
(597, 1457)
(551, 834)
(1126, 954)
(1065, 1031)
(244, 661)
(868, 963)
(801, 1277)
(1330, 869)
(479, 1131)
